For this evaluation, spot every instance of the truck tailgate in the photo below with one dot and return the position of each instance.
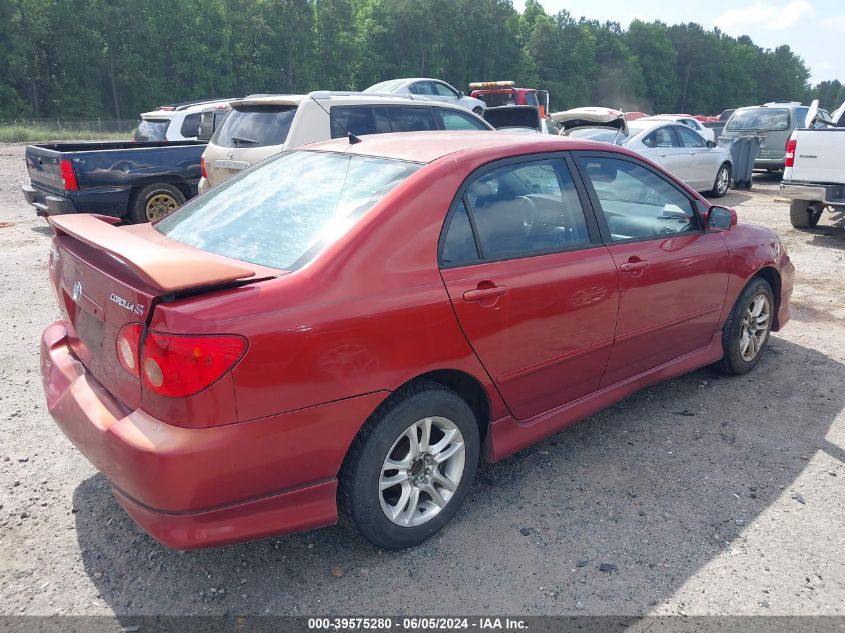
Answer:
(44, 167)
(818, 156)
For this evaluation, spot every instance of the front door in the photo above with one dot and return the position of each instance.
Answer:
(673, 275)
(534, 290)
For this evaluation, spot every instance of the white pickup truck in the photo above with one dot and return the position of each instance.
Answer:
(814, 172)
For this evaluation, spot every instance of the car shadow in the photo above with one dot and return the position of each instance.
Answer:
(45, 229)
(830, 231)
(655, 487)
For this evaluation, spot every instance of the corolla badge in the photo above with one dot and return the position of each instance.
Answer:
(123, 303)
(76, 293)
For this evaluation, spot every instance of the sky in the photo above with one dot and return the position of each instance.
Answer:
(814, 29)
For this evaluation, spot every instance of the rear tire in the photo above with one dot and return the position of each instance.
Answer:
(746, 332)
(804, 214)
(394, 508)
(154, 201)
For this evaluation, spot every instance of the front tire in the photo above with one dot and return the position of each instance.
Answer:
(410, 467)
(804, 214)
(746, 332)
(722, 182)
(153, 202)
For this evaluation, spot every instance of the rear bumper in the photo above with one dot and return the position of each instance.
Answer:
(113, 201)
(829, 194)
(192, 488)
(47, 204)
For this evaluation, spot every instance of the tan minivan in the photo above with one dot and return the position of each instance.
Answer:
(260, 126)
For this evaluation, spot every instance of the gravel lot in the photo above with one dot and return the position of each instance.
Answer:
(703, 495)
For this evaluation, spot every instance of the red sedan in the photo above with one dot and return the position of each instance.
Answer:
(348, 328)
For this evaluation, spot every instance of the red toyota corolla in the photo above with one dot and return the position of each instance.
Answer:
(347, 329)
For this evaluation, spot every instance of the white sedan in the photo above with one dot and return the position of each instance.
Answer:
(698, 162)
(683, 119)
(433, 89)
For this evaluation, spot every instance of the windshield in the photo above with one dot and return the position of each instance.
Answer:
(285, 212)
(151, 130)
(385, 86)
(759, 119)
(255, 126)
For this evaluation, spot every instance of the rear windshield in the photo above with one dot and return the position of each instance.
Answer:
(513, 117)
(759, 119)
(285, 212)
(255, 126)
(151, 130)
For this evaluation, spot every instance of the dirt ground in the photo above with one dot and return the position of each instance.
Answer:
(704, 495)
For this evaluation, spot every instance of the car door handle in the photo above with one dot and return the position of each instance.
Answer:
(489, 292)
(630, 267)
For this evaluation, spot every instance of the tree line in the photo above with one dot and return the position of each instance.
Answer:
(116, 58)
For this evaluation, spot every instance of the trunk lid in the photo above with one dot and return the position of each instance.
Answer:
(106, 277)
(590, 117)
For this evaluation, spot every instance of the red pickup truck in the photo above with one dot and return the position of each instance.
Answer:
(502, 93)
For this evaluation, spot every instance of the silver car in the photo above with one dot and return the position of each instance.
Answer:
(774, 122)
(433, 89)
(678, 149)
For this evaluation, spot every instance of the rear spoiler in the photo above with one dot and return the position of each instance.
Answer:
(168, 269)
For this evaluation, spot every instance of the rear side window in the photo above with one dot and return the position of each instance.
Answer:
(454, 120)
(759, 119)
(255, 126)
(661, 137)
(286, 212)
(405, 119)
(151, 130)
(191, 125)
(459, 244)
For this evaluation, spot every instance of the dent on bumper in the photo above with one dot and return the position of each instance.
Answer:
(209, 486)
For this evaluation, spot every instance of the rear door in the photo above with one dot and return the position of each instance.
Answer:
(673, 275)
(534, 290)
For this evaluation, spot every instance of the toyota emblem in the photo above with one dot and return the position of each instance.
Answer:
(77, 291)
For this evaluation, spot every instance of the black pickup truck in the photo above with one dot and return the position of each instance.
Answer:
(139, 182)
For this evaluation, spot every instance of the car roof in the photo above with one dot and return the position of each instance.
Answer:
(426, 147)
(340, 97)
(188, 108)
(647, 123)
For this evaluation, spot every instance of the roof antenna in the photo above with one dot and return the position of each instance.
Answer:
(352, 138)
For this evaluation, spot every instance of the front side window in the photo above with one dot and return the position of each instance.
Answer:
(662, 137)
(689, 138)
(285, 212)
(636, 202)
(524, 209)
(443, 90)
(453, 120)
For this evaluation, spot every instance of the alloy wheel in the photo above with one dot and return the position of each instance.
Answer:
(756, 320)
(422, 471)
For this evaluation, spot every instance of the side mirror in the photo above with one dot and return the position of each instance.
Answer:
(712, 144)
(460, 94)
(721, 218)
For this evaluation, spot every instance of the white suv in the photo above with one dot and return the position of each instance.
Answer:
(260, 126)
(176, 122)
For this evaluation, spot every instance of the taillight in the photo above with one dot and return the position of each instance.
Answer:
(202, 167)
(127, 347)
(68, 175)
(178, 365)
(789, 160)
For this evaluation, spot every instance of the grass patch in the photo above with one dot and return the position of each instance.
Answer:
(25, 134)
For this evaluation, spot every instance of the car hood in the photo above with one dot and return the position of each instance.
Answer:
(590, 117)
